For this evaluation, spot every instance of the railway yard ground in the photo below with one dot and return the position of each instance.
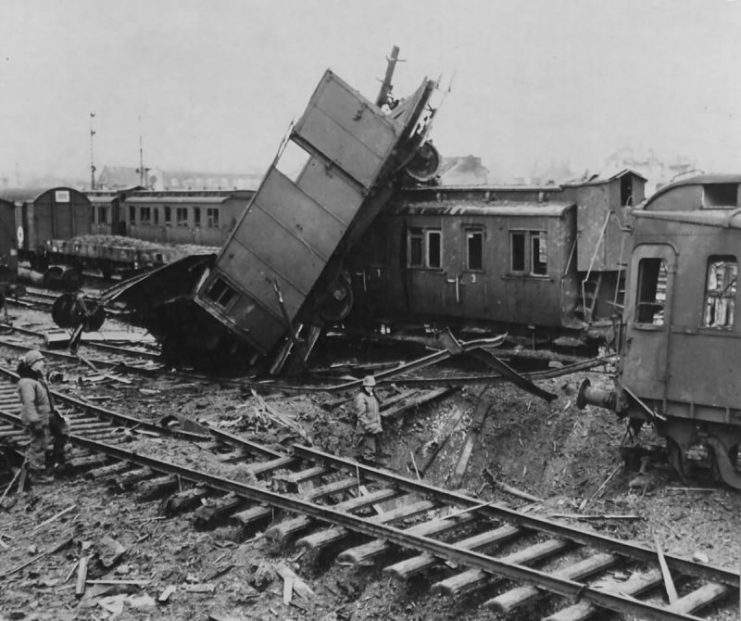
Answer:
(145, 561)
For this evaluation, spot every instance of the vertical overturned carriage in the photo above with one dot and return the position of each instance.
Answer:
(329, 181)
(282, 265)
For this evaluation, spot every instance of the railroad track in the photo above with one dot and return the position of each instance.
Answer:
(314, 500)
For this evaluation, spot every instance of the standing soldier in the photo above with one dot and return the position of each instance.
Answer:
(368, 426)
(44, 425)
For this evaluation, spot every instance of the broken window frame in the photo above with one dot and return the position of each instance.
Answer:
(425, 248)
(528, 252)
(181, 216)
(650, 296)
(719, 295)
(221, 293)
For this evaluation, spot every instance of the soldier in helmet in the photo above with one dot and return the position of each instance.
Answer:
(368, 427)
(47, 429)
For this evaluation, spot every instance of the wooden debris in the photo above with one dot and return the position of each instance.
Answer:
(165, 595)
(601, 488)
(20, 470)
(508, 488)
(54, 517)
(409, 403)
(200, 588)
(82, 566)
(479, 416)
(280, 419)
(297, 584)
(443, 439)
(671, 590)
(120, 582)
(63, 543)
(110, 551)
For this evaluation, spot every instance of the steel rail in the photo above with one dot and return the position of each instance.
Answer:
(542, 580)
(118, 417)
(601, 542)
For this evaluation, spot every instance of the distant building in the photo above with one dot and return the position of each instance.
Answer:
(463, 170)
(120, 177)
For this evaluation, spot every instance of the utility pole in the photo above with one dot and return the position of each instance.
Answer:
(142, 171)
(92, 153)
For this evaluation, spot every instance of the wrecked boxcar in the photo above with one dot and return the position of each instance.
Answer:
(280, 274)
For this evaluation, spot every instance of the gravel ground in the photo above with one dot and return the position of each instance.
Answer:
(553, 451)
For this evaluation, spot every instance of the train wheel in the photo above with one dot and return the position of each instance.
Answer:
(677, 461)
(727, 461)
(63, 311)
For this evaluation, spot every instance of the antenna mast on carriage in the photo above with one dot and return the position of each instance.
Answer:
(92, 153)
(386, 87)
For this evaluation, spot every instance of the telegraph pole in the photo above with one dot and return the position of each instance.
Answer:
(92, 153)
(386, 84)
(142, 171)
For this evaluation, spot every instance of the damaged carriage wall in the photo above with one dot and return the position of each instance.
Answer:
(329, 183)
(466, 260)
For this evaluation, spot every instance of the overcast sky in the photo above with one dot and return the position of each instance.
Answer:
(213, 85)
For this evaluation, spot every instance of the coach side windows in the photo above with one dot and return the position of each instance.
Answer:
(534, 262)
(651, 294)
(424, 248)
(720, 293)
(475, 250)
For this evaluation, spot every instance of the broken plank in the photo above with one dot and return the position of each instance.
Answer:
(422, 399)
(64, 542)
(297, 584)
(671, 590)
(82, 566)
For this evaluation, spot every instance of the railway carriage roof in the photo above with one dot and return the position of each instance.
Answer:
(703, 180)
(475, 208)
(30, 193)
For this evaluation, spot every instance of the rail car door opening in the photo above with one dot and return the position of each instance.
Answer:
(465, 273)
(424, 268)
(649, 316)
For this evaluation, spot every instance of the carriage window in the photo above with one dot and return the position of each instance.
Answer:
(720, 195)
(145, 215)
(434, 248)
(424, 248)
(132, 214)
(102, 215)
(720, 293)
(517, 251)
(168, 215)
(534, 261)
(220, 292)
(651, 294)
(181, 213)
(212, 218)
(475, 249)
(196, 216)
(539, 247)
(156, 214)
(92, 214)
(415, 248)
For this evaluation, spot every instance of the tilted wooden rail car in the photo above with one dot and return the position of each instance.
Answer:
(679, 346)
(282, 266)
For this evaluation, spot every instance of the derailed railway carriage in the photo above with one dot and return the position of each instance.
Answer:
(506, 262)
(680, 347)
